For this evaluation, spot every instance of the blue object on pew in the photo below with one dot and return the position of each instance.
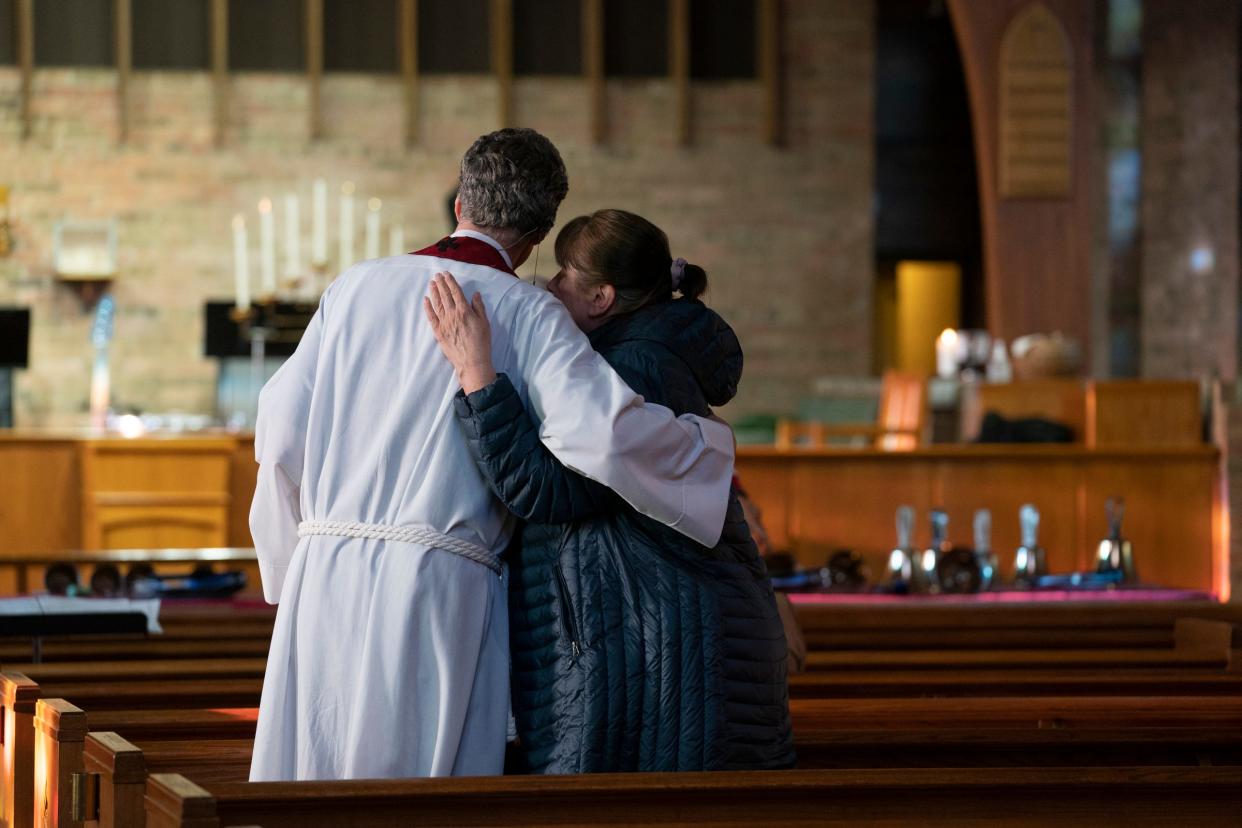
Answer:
(1081, 580)
(197, 585)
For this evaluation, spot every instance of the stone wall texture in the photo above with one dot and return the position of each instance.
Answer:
(784, 233)
(1190, 189)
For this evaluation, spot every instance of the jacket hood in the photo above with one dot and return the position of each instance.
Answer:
(693, 332)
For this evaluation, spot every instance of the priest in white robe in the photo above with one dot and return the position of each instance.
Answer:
(376, 533)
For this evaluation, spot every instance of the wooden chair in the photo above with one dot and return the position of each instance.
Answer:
(899, 422)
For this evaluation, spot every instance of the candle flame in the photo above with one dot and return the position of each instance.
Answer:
(374, 205)
(265, 205)
(239, 222)
(348, 188)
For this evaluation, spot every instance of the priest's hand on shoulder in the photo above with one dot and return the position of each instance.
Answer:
(462, 329)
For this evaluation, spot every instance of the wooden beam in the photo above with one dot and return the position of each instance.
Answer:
(679, 66)
(593, 65)
(25, 58)
(314, 66)
(502, 58)
(220, 66)
(124, 65)
(407, 46)
(770, 72)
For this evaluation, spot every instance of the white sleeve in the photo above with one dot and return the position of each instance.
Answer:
(676, 470)
(280, 449)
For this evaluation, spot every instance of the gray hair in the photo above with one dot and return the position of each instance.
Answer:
(512, 179)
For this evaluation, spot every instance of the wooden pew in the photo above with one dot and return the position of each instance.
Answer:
(1066, 796)
(930, 681)
(925, 624)
(113, 671)
(62, 650)
(840, 733)
(217, 692)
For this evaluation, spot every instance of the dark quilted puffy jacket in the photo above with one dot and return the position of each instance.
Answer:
(633, 647)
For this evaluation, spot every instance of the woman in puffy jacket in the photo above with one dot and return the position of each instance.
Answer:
(633, 648)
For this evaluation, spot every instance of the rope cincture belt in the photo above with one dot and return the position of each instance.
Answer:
(403, 534)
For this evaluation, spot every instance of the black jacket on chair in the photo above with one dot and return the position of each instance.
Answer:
(633, 647)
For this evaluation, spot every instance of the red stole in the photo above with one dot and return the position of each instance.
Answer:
(468, 250)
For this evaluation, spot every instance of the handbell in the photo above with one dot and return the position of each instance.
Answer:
(901, 561)
(926, 570)
(985, 558)
(1115, 554)
(1029, 562)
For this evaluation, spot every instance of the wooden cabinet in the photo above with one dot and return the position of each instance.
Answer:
(816, 500)
(153, 493)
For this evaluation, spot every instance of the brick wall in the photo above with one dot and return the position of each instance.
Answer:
(785, 234)
(1190, 188)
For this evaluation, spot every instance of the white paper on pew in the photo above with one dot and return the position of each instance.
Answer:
(61, 605)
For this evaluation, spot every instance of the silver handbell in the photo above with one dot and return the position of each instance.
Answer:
(926, 575)
(1029, 563)
(901, 563)
(1115, 554)
(989, 566)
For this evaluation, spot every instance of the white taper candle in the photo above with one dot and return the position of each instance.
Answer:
(319, 223)
(267, 250)
(293, 236)
(347, 226)
(373, 229)
(241, 263)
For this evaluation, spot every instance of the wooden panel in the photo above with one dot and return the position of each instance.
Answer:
(768, 483)
(816, 500)
(314, 66)
(1061, 400)
(1037, 251)
(593, 64)
(502, 58)
(155, 527)
(243, 472)
(167, 466)
(25, 58)
(156, 493)
(1144, 413)
(40, 500)
(220, 66)
(1035, 106)
(852, 504)
(407, 42)
(1051, 486)
(679, 66)
(1168, 518)
(124, 62)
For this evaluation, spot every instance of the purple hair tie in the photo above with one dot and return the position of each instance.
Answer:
(678, 269)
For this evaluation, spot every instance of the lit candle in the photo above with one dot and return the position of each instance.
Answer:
(947, 354)
(319, 224)
(267, 250)
(396, 241)
(373, 229)
(293, 237)
(347, 225)
(241, 264)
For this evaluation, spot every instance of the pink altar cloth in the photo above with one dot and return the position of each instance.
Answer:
(1009, 597)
